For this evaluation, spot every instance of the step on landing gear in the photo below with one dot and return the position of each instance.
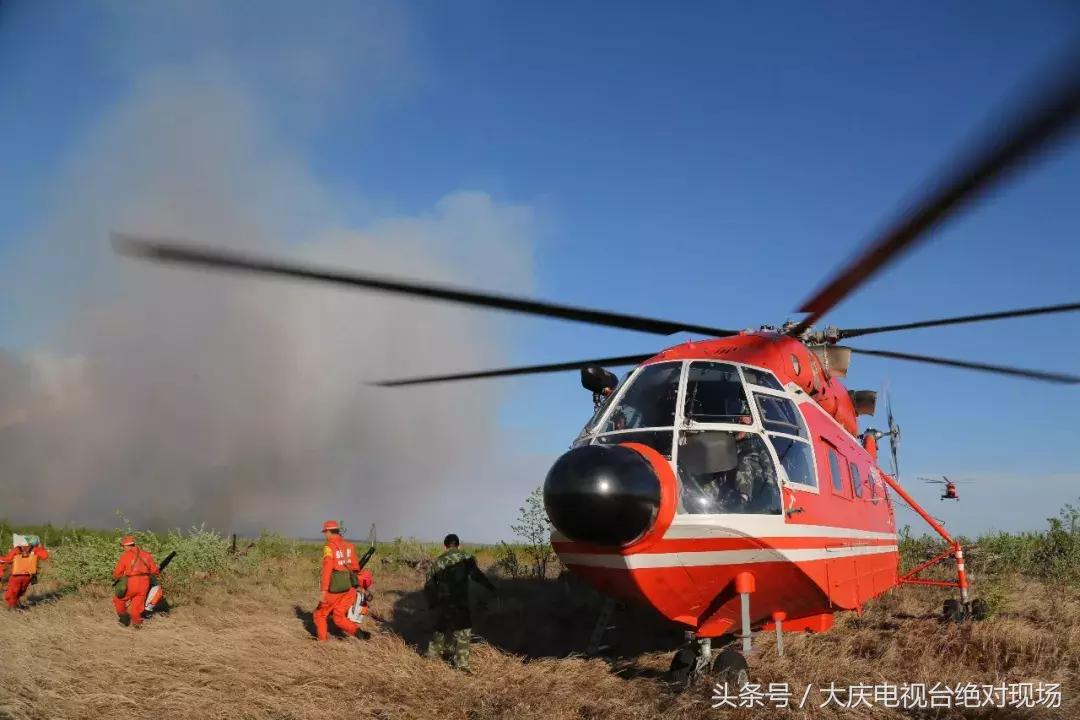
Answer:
(695, 661)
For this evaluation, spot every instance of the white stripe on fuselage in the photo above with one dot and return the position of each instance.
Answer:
(686, 527)
(721, 557)
(762, 526)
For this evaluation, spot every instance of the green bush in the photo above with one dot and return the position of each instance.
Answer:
(406, 552)
(534, 528)
(84, 557)
(507, 562)
(1052, 555)
(275, 546)
(51, 536)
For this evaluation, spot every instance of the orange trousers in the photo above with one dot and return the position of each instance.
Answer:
(338, 604)
(135, 600)
(16, 588)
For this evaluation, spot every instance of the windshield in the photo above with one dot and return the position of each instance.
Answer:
(649, 402)
(714, 394)
(750, 487)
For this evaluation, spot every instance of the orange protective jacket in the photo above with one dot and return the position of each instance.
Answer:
(338, 554)
(134, 562)
(24, 566)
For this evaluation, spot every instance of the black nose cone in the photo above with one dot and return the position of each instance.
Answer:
(602, 494)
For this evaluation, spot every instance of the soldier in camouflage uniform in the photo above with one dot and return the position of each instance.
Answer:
(753, 468)
(745, 489)
(447, 591)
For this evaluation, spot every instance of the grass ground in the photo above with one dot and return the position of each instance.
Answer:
(238, 644)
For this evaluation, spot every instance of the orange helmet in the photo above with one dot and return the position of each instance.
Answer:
(127, 540)
(331, 525)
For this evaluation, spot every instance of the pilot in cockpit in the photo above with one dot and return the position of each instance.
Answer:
(752, 472)
(745, 488)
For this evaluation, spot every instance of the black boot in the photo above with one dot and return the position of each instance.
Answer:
(124, 619)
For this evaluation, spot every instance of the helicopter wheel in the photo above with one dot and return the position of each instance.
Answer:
(952, 611)
(684, 668)
(979, 610)
(730, 667)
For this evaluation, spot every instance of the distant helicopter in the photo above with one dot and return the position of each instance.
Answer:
(950, 486)
(724, 482)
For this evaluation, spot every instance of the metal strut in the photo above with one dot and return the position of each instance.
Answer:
(745, 585)
(956, 551)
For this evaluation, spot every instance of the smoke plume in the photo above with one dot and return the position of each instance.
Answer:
(185, 397)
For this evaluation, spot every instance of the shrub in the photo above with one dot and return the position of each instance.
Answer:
(406, 552)
(273, 545)
(534, 528)
(83, 557)
(1052, 555)
(506, 561)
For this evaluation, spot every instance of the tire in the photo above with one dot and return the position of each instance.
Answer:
(979, 609)
(681, 672)
(730, 666)
(952, 611)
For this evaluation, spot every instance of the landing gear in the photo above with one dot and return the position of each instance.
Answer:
(955, 611)
(952, 611)
(979, 609)
(696, 660)
(691, 661)
(730, 667)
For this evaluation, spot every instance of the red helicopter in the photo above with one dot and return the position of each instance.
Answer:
(724, 481)
(950, 486)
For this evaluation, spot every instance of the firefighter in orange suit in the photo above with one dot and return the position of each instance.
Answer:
(338, 582)
(24, 560)
(132, 574)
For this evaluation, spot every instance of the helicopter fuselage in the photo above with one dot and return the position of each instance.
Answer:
(655, 511)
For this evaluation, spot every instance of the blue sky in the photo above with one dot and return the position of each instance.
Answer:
(712, 163)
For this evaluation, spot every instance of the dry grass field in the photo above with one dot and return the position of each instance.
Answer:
(240, 646)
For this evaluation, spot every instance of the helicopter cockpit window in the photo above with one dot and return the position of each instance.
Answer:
(780, 415)
(714, 394)
(658, 440)
(649, 402)
(748, 485)
(796, 458)
(764, 378)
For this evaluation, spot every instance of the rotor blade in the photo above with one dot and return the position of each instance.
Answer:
(1027, 133)
(985, 367)
(1046, 310)
(169, 251)
(508, 372)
